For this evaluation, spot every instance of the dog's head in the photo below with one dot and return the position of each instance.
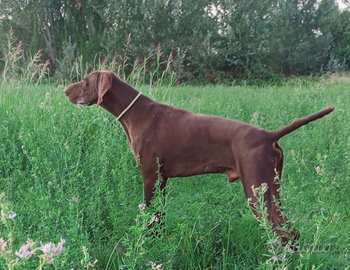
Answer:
(91, 89)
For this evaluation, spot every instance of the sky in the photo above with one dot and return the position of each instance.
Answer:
(341, 4)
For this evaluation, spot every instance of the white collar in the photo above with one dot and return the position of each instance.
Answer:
(129, 106)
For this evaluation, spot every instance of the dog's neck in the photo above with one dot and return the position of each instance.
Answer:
(129, 106)
(119, 97)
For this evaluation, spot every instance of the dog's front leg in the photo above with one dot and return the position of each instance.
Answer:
(150, 189)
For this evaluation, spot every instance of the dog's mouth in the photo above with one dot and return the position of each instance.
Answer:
(76, 101)
(82, 102)
(79, 100)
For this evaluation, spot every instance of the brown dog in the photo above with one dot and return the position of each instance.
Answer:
(186, 144)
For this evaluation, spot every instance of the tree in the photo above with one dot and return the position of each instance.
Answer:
(336, 25)
(228, 39)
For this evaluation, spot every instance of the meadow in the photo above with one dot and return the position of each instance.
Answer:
(66, 172)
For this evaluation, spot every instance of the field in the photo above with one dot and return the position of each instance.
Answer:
(66, 172)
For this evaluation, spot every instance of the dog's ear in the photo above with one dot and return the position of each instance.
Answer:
(104, 83)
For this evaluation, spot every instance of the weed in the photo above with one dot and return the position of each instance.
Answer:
(146, 242)
(68, 173)
(49, 251)
(278, 255)
(17, 66)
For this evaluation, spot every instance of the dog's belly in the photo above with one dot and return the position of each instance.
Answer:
(190, 168)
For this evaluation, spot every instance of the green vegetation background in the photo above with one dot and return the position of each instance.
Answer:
(67, 172)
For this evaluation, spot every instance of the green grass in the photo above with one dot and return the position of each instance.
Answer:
(67, 172)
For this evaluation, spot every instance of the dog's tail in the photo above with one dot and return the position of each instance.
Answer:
(279, 133)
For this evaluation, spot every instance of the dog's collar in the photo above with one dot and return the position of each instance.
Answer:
(129, 106)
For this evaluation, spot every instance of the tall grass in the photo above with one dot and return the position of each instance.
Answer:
(154, 69)
(20, 65)
(67, 173)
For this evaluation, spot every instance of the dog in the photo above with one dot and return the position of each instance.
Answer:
(187, 144)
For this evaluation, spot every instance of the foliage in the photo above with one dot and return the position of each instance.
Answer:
(17, 66)
(67, 172)
(226, 41)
